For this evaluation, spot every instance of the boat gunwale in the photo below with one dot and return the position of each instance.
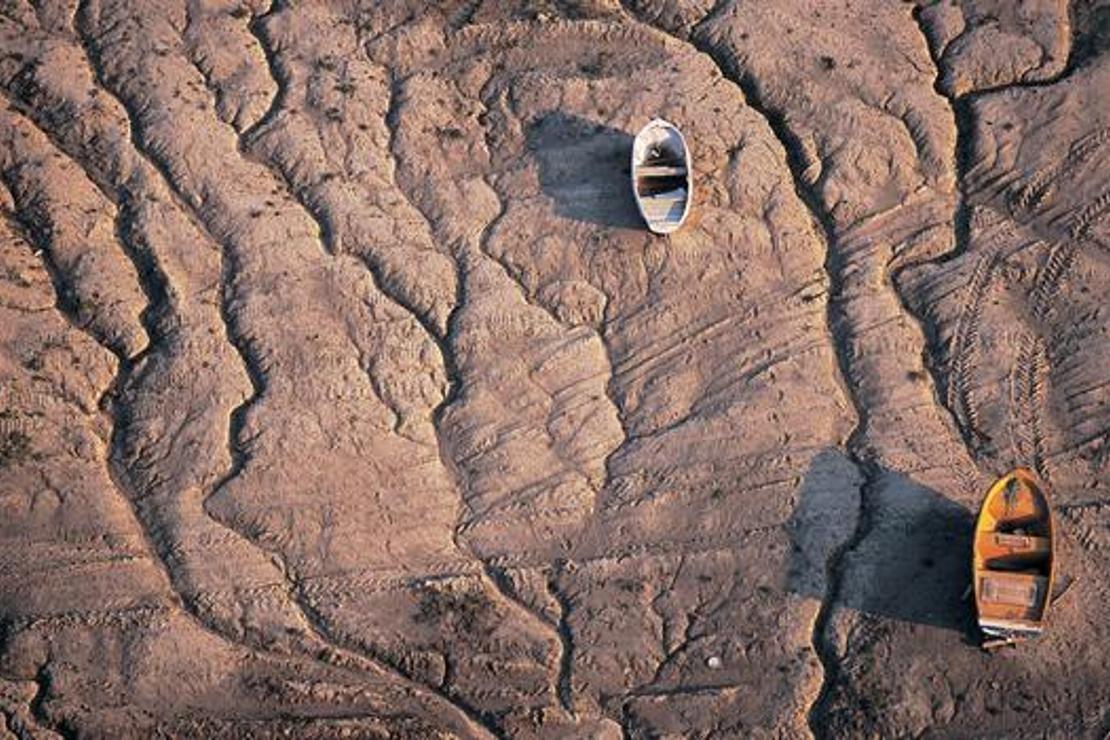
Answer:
(654, 224)
(1040, 489)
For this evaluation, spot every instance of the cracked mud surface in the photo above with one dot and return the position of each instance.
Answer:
(342, 391)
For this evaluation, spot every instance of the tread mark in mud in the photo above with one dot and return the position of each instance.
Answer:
(1043, 182)
(1029, 376)
(1080, 225)
(119, 616)
(1027, 393)
(965, 348)
(339, 587)
(1047, 283)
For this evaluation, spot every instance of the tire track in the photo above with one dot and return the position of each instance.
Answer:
(958, 398)
(1037, 193)
(1082, 223)
(1046, 289)
(1030, 374)
(337, 586)
(965, 349)
(121, 616)
(1042, 185)
(1029, 378)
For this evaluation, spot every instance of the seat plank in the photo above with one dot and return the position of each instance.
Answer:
(1015, 596)
(1012, 548)
(659, 171)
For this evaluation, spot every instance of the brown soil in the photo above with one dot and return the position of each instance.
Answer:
(343, 392)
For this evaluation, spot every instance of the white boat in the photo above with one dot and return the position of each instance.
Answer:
(662, 179)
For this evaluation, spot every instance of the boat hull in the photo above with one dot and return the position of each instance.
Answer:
(662, 179)
(1013, 559)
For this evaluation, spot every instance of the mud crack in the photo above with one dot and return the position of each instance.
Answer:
(564, 687)
(840, 338)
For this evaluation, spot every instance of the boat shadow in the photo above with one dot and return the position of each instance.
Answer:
(585, 168)
(912, 560)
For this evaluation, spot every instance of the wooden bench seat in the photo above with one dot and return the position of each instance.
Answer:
(1011, 550)
(1011, 596)
(660, 171)
(661, 208)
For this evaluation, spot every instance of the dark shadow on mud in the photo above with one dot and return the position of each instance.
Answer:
(911, 562)
(585, 168)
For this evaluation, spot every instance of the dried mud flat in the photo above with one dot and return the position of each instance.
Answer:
(344, 394)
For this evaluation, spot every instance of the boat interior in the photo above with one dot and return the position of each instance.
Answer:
(1013, 558)
(661, 176)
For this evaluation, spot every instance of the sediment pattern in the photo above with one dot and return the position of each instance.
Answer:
(343, 391)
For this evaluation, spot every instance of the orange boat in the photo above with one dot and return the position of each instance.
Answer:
(1014, 558)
